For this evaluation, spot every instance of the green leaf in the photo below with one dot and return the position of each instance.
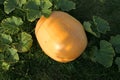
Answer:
(1, 57)
(25, 42)
(9, 5)
(115, 41)
(64, 5)
(88, 27)
(105, 54)
(3, 47)
(102, 25)
(21, 2)
(5, 39)
(8, 57)
(46, 7)
(117, 61)
(11, 56)
(11, 25)
(46, 4)
(5, 66)
(32, 9)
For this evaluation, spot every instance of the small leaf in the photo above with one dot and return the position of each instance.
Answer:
(64, 5)
(5, 66)
(88, 27)
(5, 39)
(46, 5)
(115, 41)
(34, 15)
(3, 47)
(10, 5)
(25, 42)
(21, 2)
(11, 25)
(11, 55)
(117, 61)
(102, 25)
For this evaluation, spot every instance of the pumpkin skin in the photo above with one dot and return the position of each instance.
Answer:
(61, 36)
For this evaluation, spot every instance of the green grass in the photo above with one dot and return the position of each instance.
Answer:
(35, 65)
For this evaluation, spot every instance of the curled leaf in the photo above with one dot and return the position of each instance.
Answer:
(88, 27)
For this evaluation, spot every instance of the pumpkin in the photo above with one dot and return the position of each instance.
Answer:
(61, 36)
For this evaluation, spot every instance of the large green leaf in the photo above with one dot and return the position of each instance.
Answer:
(115, 41)
(10, 5)
(36, 8)
(117, 61)
(32, 9)
(11, 25)
(105, 54)
(64, 5)
(88, 27)
(25, 42)
(102, 25)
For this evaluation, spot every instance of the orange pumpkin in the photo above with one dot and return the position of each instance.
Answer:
(61, 36)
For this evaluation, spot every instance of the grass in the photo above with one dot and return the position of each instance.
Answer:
(35, 65)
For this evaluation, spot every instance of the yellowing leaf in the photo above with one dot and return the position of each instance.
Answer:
(11, 25)
(25, 42)
(5, 66)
